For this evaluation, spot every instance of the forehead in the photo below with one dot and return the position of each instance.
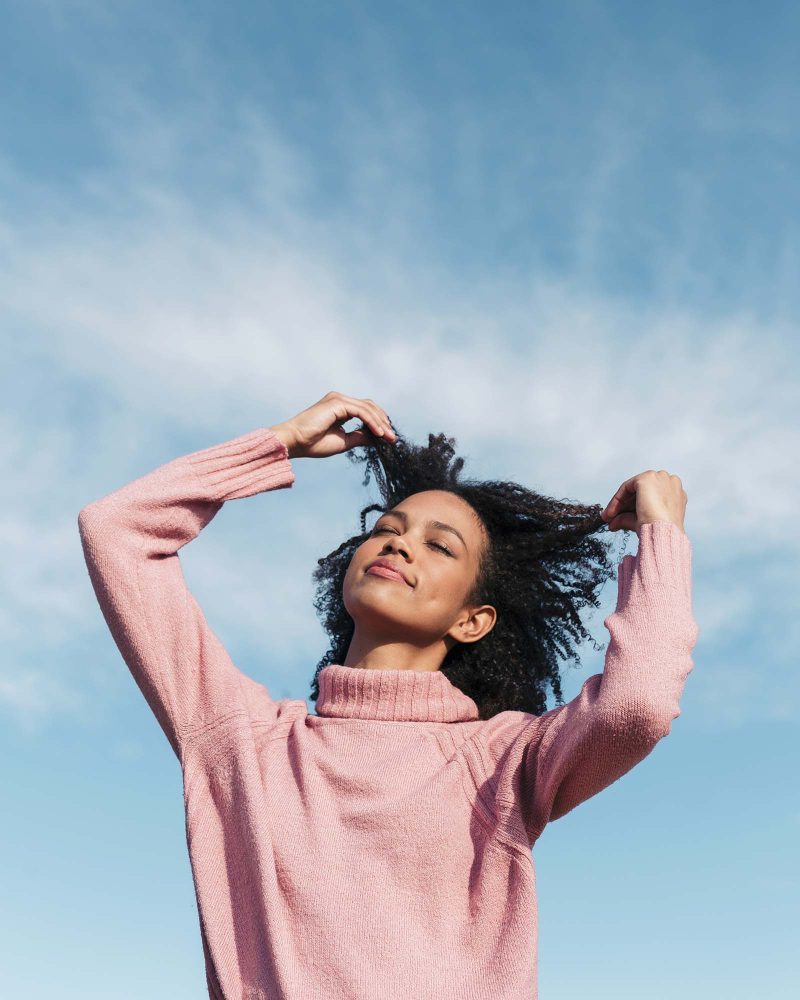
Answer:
(441, 505)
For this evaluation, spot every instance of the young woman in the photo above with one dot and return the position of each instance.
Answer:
(381, 848)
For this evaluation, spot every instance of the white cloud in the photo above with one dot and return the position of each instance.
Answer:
(158, 312)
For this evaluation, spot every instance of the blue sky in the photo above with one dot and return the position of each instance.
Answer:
(566, 234)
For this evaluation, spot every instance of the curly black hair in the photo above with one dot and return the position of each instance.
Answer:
(542, 564)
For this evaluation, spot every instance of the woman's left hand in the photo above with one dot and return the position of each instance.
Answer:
(650, 496)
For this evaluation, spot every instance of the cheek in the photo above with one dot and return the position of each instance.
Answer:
(347, 586)
(358, 562)
(355, 562)
(359, 556)
(446, 586)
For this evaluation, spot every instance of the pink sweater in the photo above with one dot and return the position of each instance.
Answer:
(381, 848)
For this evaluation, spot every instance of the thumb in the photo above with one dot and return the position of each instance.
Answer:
(353, 439)
(623, 522)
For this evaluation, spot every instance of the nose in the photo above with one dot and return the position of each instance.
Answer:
(395, 543)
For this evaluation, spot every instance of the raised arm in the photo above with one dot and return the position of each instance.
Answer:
(618, 717)
(131, 540)
(542, 767)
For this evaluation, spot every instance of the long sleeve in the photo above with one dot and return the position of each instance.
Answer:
(131, 540)
(542, 767)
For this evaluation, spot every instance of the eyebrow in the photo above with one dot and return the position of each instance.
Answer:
(431, 524)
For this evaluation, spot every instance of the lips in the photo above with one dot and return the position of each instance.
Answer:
(385, 568)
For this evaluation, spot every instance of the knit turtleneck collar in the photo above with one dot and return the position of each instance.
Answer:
(392, 695)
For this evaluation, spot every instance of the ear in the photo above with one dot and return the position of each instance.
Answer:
(473, 624)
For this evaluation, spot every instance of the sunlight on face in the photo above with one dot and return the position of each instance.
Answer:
(433, 538)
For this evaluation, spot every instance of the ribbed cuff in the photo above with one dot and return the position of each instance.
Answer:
(663, 566)
(243, 466)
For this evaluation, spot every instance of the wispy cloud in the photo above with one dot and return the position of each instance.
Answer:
(146, 312)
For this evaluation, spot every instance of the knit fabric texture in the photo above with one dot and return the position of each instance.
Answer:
(380, 849)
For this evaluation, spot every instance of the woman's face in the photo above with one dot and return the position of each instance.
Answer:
(434, 539)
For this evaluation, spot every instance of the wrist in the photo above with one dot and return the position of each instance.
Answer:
(654, 520)
(284, 435)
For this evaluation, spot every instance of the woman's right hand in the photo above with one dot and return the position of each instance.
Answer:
(317, 431)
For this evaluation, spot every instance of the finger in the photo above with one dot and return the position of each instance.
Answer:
(352, 439)
(346, 408)
(618, 503)
(622, 498)
(623, 522)
(367, 411)
(383, 415)
(373, 420)
(376, 420)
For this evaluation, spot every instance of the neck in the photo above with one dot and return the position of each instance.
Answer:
(368, 653)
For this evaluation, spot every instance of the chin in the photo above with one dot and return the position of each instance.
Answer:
(376, 610)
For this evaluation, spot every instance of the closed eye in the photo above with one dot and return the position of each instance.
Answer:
(444, 548)
(435, 545)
